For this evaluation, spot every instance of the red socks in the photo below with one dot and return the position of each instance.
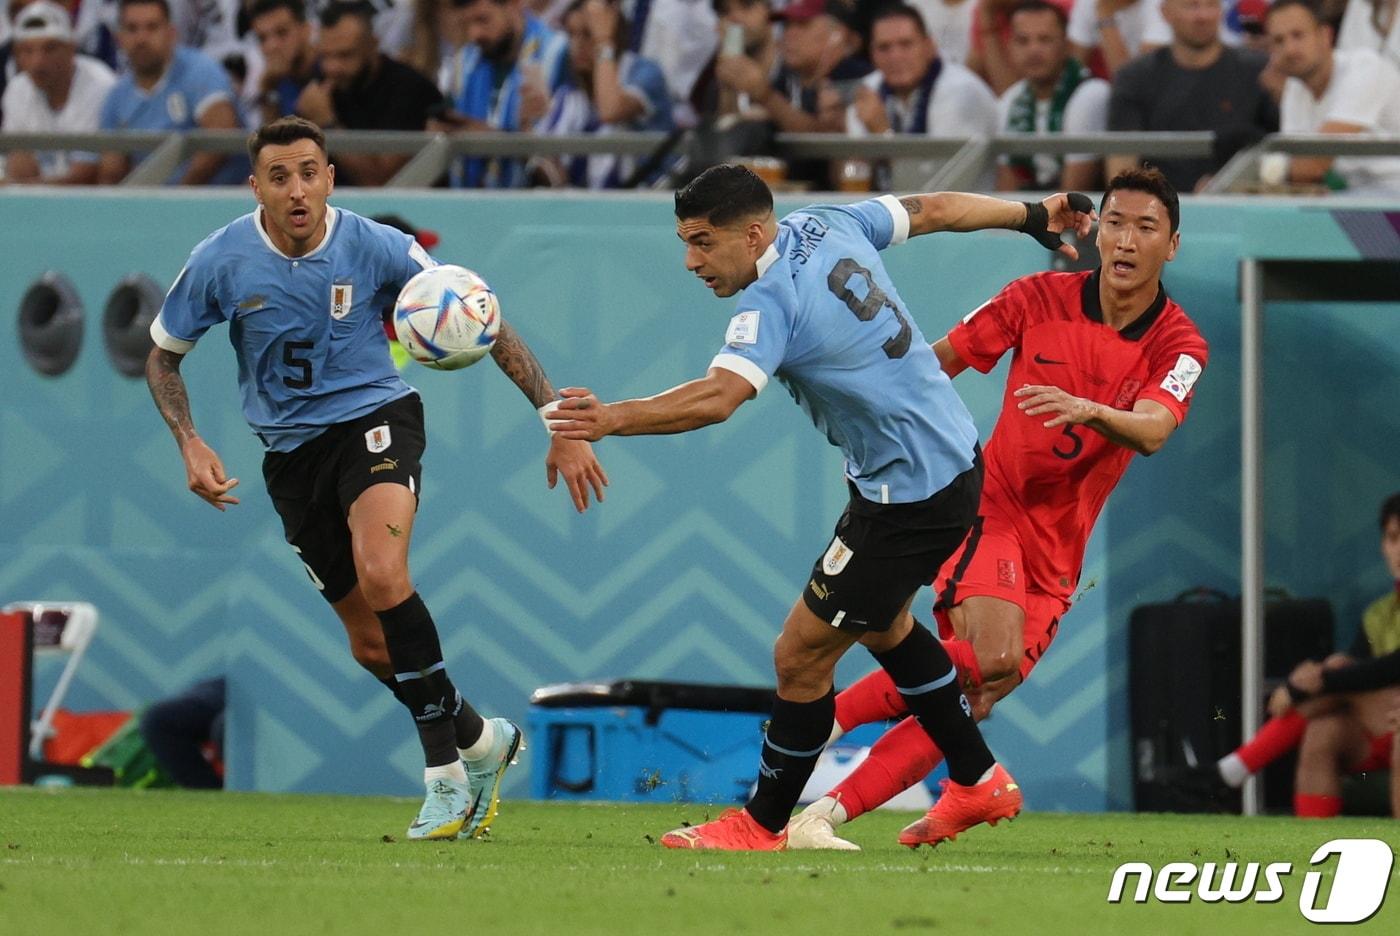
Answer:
(902, 757)
(1309, 805)
(965, 659)
(872, 698)
(1276, 738)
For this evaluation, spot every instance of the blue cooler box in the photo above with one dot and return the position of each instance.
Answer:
(651, 742)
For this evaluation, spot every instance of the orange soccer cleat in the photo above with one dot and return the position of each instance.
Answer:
(734, 830)
(960, 808)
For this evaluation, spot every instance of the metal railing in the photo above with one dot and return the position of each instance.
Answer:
(959, 162)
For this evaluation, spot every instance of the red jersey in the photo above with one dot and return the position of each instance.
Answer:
(1050, 484)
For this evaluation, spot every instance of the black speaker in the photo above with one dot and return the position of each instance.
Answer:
(1185, 684)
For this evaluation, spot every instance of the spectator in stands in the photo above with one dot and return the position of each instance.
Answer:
(1196, 83)
(1108, 34)
(950, 24)
(289, 58)
(363, 89)
(1055, 94)
(990, 53)
(1340, 92)
(820, 69)
(607, 89)
(1373, 25)
(753, 59)
(680, 37)
(452, 37)
(168, 87)
(912, 90)
(392, 22)
(509, 71)
(56, 91)
(8, 69)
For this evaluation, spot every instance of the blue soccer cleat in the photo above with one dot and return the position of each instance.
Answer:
(444, 813)
(485, 776)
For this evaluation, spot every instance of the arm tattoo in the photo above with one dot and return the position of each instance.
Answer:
(168, 390)
(513, 357)
(912, 204)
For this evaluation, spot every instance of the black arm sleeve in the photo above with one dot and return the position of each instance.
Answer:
(1361, 677)
(1360, 648)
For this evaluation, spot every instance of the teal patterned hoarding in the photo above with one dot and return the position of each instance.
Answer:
(689, 567)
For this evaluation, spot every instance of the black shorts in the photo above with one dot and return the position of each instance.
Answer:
(313, 486)
(883, 553)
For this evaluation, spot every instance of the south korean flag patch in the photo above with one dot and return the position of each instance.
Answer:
(1182, 377)
(378, 439)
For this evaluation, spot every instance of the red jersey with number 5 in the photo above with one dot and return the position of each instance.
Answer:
(1050, 484)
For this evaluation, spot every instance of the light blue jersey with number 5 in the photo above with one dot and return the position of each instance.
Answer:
(825, 319)
(307, 331)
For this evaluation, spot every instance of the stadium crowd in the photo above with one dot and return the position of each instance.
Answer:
(736, 70)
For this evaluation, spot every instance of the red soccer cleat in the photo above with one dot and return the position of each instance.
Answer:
(734, 830)
(960, 808)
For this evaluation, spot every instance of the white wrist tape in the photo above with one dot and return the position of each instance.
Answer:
(544, 412)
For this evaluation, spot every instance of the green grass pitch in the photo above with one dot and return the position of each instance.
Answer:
(89, 862)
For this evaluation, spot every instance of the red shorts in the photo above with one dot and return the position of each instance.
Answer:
(1379, 756)
(990, 563)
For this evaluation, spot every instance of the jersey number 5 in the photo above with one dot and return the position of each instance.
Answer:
(1073, 445)
(869, 307)
(301, 364)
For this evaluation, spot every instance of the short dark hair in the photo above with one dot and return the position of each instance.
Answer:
(1041, 6)
(341, 9)
(1311, 8)
(1390, 507)
(1147, 179)
(164, 6)
(282, 131)
(724, 194)
(898, 10)
(263, 7)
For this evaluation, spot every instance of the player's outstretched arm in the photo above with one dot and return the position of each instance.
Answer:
(693, 405)
(574, 460)
(204, 472)
(1044, 221)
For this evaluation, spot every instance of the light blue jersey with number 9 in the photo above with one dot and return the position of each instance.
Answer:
(307, 331)
(825, 319)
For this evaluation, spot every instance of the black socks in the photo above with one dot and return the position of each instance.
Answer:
(928, 683)
(795, 738)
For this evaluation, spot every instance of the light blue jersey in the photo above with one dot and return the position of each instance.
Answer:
(824, 318)
(191, 85)
(307, 331)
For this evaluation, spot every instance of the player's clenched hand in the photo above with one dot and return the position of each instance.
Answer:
(581, 415)
(204, 473)
(579, 466)
(1070, 211)
(1063, 408)
(1280, 702)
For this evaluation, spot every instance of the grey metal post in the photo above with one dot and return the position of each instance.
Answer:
(1251, 510)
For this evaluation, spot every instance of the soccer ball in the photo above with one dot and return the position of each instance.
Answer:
(447, 318)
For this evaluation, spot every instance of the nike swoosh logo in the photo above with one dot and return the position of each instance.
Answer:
(1042, 359)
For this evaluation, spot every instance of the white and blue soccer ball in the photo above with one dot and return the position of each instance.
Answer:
(447, 318)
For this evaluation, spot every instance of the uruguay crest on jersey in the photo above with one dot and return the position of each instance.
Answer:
(341, 300)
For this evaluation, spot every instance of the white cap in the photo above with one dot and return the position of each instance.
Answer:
(42, 20)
